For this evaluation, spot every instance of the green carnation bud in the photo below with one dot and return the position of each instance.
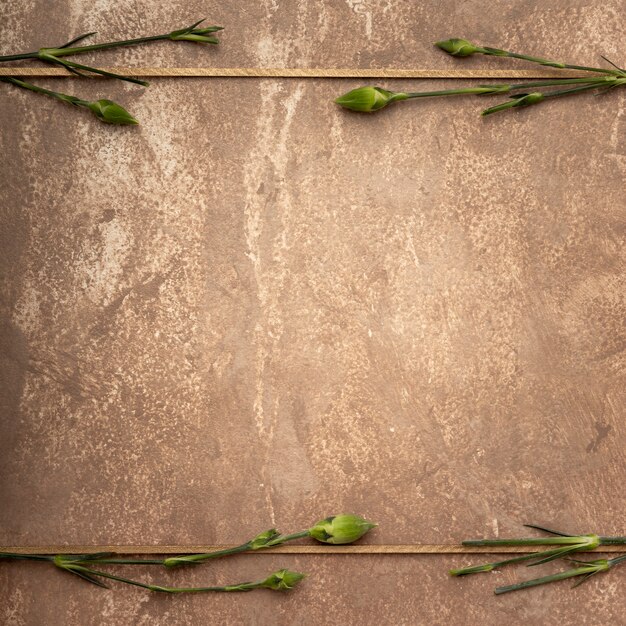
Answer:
(340, 529)
(531, 98)
(282, 580)
(262, 539)
(198, 35)
(521, 100)
(368, 99)
(110, 112)
(194, 36)
(458, 47)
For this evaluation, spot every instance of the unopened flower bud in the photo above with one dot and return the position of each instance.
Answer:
(110, 112)
(340, 529)
(522, 100)
(194, 36)
(198, 35)
(262, 539)
(367, 99)
(282, 580)
(458, 47)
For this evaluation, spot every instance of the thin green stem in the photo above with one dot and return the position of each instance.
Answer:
(114, 561)
(567, 92)
(495, 89)
(547, 62)
(253, 544)
(571, 573)
(159, 588)
(189, 559)
(613, 541)
(446, 92)
(562, 81)
(69, 65)
(488, 567)
(14, 556)
(528, 541)
(62, 52)
(19, 57)
(586, 569)
(54, 94)
(284, 538)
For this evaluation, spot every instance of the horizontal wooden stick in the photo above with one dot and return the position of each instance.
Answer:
(263, 72)
(292, 549)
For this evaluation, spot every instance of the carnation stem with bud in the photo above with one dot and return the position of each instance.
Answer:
(567, 545)
(106, 111)
(585, 568)
(370, 99)
(277, 581)
(337, 529)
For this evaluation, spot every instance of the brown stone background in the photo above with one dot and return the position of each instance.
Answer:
(256, 309)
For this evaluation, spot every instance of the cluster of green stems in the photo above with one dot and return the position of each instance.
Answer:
(565, 546)
(336, 529)
(371, 99)
(105, 110)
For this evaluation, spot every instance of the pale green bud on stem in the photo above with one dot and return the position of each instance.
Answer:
(367, 99)
(111, 113)
(282, 580)
(522, 100)
(459, 47)
(463, 48)
(371, 99)
(198, 35)
(105, 110)
(340, 529)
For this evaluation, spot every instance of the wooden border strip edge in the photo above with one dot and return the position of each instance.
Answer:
(256, 72)
(297, 549)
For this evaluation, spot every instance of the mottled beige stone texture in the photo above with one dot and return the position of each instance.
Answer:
(257, 309)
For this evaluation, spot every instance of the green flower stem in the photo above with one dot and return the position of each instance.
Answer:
(198, 34)
(105, 110)
(274, 540)
(114, 561)
(564, 81)
(19, 57)
(189, 559)
(587, 570)
(488, 567)
(567, 545)
(493, 89)
(587, 540)
(284, 538)
(567, 92)
(613, 541)
(545, 62)
(25, 557)
(336, 529)
(463, 48)
(444, 92)
(538, 96)
(72, 67)
(54, 94)
(86, 571)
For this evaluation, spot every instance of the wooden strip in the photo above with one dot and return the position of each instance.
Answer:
(287, 549)
(261, 72)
